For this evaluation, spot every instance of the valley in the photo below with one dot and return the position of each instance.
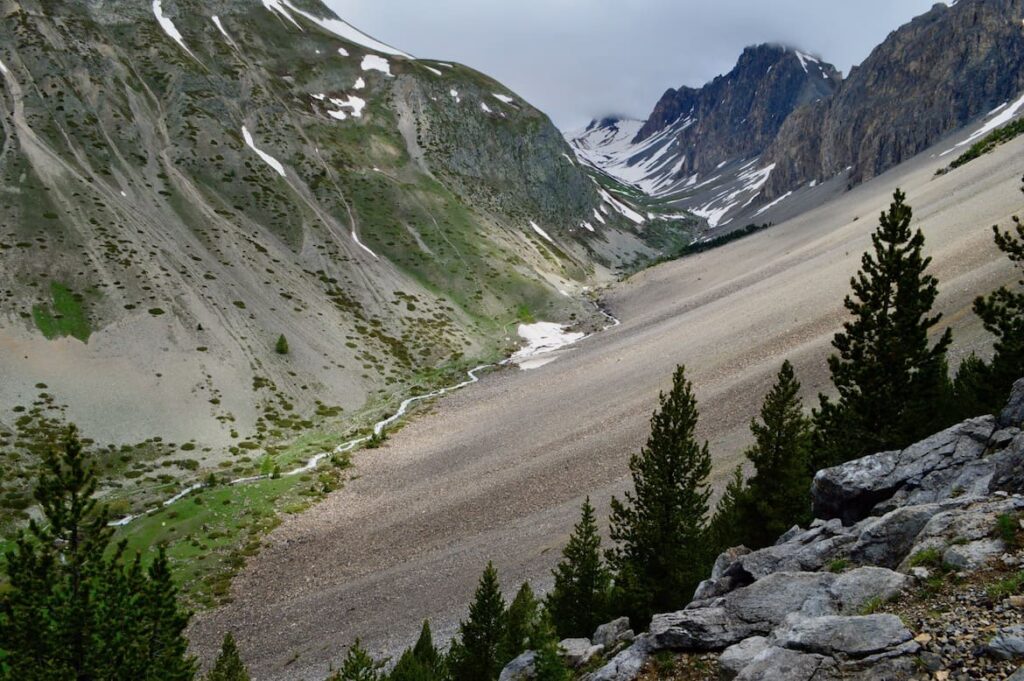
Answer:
(498, 470)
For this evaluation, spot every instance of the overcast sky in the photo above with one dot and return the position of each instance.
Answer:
(581, 59)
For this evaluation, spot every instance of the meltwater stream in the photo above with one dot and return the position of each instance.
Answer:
(546, 346)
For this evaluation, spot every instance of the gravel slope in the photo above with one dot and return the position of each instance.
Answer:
(498, 470)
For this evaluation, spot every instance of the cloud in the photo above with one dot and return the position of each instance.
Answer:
(581, 59)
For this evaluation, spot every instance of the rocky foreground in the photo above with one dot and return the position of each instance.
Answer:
(910, 571)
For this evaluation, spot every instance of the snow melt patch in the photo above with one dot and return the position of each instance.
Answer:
(455, 95)
(540, 231)
(169, 27)
(433, 70)
(342, 51)
(372, 62)
(504, 99)
(223, 31)
(360, 84)
(774, 203)
(1007, 115)
(277, 7)
(355, 237)
(343, 30)
(541, 339)
(485, 108)
(3, 68)
(267, 158)
(354, 104)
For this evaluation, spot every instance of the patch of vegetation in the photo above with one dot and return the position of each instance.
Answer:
(988, 144)
(838, 565)
(701, 246)
(1008, 530)
(63, 316)
(1008, 586)
(931, 558)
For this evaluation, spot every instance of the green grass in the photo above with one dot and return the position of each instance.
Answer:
(210, 533)
(927, 558)
(1013, 584)
(63, 315)
(838, 565)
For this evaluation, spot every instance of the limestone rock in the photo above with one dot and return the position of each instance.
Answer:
(736, 657)
(520, 669)
(611, 634)
(856, 637)
(579, 651)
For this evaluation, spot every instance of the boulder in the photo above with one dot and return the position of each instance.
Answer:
(886, 541)
(708, 628)
(1008, 643)
(925, 472)
(1009, 467)
(579, 651)
(611, 634)
(973, 554)
(627, 665)
(520, 669)
(850, 637)
(775, 664)
(1013, 414)
(736, 657)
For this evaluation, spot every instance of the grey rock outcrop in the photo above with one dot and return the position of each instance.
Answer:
(579, 651)
(613, 633)
(795, 610)
(520, 669)
(1013, 415)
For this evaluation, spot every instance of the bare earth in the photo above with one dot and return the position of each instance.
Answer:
(498, 470)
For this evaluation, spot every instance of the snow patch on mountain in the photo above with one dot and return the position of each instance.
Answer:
(354, 104)
(223, 31)
(504, 99)
(541, 232)
(1009, 112)
(267, 158)
(372, 62)
(168, 26)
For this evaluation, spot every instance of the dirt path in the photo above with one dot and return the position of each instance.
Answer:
(499, 469)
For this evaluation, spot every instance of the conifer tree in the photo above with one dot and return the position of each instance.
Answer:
(660, 553)
(71, 611)
(521, 622)
(578, 602)
(474, 656)
(229, 666)
(548, 665)
(281, 347)
(358, 666)
(889, 378)
(425, 651)
(409, 668)
(1002, 313)
(779, 495)
(729, 525)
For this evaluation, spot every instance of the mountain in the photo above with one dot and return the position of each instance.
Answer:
(783, 123)
(929, 78)
(184, 182)
(703, 145)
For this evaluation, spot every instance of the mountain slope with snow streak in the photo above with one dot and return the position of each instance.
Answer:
(202, 178)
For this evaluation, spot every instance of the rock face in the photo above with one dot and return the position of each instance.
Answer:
(739, 114)
(930, 77)
(796, 610)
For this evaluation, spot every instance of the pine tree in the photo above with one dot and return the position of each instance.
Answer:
(888, 378)
(779, 495)
(548, 664)
(73, 611)
(229, 666)
(729, 525)
(578, 602)
(425, 651)
(474, 656)
(1002, 313)
(358, 666)
(660, 553)
(972, 392)
(281, 347)
(409, 668)
(521, 621)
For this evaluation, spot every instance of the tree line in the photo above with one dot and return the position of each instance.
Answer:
(75, 607)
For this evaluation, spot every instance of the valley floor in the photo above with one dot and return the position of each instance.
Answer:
(499, 469)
